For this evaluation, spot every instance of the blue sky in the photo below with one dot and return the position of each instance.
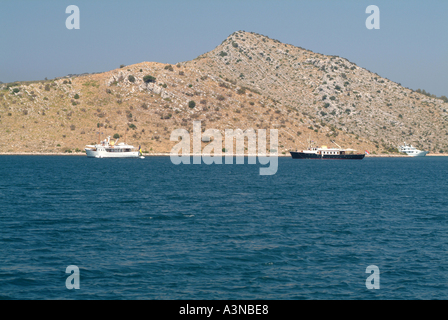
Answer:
(411, 46)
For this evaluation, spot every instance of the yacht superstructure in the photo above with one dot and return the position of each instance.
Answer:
(411, 151)
(111, 149)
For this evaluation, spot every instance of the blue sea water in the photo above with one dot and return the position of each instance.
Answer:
(148, 229)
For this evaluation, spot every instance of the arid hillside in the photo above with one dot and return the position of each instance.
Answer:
(249, 81)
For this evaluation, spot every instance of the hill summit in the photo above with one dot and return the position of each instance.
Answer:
(248, 81)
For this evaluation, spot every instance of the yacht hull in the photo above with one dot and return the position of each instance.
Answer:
(104, 154)
(420, 154)
(313, 156)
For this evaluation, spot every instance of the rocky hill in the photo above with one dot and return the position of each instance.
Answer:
(249, 81)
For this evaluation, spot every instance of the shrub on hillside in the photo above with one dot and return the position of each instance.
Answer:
(242, 90)
(148, 79)
(191, 104)
(131, 78)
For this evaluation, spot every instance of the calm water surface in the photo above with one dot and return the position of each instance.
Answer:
(148, 229)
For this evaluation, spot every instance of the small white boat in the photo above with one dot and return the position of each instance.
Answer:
(112, 149)
(411, 151)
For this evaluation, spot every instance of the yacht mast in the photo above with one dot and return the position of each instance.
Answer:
(336, 144)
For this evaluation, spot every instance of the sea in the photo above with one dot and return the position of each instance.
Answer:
(150, 229)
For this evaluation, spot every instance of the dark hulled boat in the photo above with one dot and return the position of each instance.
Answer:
(325, 153)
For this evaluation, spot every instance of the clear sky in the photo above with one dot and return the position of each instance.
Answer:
(411, 46)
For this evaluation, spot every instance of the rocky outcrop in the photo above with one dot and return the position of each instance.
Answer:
(249, 81)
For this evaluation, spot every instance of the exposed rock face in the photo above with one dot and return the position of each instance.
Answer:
(249, 81)
(330, 89)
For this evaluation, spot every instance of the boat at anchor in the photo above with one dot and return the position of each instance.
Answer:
(325, 153)
(112, 149)
(411, 151)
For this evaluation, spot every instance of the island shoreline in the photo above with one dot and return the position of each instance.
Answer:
(234, 155)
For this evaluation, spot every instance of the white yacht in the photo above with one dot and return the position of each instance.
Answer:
(112, 149)
(411, 151)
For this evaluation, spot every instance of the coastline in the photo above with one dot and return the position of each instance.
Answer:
(167, 154)
(155, 154)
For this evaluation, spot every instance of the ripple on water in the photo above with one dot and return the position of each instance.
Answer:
(153, 230)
